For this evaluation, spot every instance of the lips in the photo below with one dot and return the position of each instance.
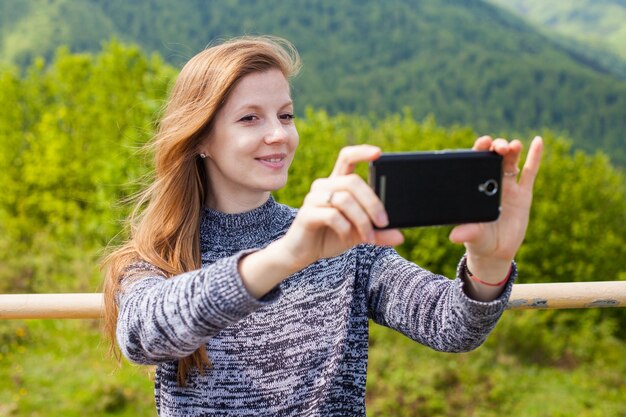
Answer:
(271, 160)
(275, 161)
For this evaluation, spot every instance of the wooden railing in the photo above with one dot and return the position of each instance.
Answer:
(524, 296)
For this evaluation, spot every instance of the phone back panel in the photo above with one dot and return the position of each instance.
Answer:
(438, 188)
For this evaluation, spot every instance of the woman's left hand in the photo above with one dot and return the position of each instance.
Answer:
(492, 246)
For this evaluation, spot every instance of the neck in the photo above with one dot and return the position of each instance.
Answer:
(236, 204)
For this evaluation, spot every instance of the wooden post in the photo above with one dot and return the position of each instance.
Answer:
(524, 296)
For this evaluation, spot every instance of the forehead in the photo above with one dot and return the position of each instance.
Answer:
(260, 87)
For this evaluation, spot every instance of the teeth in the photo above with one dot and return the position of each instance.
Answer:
(273, 160)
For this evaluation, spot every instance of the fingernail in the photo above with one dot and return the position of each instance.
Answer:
(382, 219)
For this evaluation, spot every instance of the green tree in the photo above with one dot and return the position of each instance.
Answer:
(67, 140)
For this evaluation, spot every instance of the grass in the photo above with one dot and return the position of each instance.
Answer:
(56, 367)
(581, 374)
(530, 367)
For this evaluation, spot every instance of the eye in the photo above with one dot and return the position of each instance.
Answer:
(287, 117)
(248, 118)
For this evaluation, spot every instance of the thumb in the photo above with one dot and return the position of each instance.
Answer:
(465, 233)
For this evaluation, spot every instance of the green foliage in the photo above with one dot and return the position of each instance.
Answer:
(63, 370)
(527, 368)
(69, 136)
(465, 62)
(579, 198)
(601, 24)
(577, 221)
(31, 29)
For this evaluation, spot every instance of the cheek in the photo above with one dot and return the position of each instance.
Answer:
(230, 147)
(295, 138)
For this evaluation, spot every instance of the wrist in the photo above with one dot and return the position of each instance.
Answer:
(286, 258)
(489, 282)
(488, 271)
(262, 270)
(470, 275)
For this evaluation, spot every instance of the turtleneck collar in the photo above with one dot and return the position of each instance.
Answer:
(254, 228)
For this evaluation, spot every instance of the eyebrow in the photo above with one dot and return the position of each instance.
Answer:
(256, 107)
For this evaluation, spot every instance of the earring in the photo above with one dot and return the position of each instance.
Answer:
(202, 155)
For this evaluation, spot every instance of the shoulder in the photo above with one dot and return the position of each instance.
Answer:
(141, 266)
(138, 270)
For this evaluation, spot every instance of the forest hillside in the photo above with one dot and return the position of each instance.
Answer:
(601, 24)
(465, 62)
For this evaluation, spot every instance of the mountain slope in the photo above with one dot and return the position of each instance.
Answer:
(592, 29)
(601, 23)
(465, 62)
(37, 28)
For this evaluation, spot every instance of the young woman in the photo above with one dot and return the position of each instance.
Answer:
(249, 307)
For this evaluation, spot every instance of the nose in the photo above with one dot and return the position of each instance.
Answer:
(277, 133)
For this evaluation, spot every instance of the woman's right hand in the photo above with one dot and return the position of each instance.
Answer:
(338, 213)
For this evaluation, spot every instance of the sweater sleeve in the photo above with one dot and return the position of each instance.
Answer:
(429, 308)
(166, 319)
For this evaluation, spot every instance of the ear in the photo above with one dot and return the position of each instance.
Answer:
(204, 153)
(203, 148)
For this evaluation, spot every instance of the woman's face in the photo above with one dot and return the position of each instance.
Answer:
(252, 142)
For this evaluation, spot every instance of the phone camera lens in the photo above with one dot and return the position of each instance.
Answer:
(489, 187)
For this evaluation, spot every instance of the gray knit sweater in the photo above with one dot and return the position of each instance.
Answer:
(302, 349)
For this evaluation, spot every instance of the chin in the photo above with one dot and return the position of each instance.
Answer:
(275, 185)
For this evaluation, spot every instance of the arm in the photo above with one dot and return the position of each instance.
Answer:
(428, 308)
(492, 246)
(164, 319)
(340, 212)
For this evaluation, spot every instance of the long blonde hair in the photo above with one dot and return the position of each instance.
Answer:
(164, 225)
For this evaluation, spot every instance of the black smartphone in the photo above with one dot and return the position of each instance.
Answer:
(438, 188)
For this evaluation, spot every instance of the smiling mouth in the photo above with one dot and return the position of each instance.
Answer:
(275, 162)
(272, 159)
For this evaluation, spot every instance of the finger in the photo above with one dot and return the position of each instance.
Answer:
(510, 153)
(321, 197)
(355, 214)
(351, 155)
(389, 237)
(318, 217)
(531, 166)
(465, 233)
(511, 159)
(483, 143)
(500, 146)
(363, 194)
